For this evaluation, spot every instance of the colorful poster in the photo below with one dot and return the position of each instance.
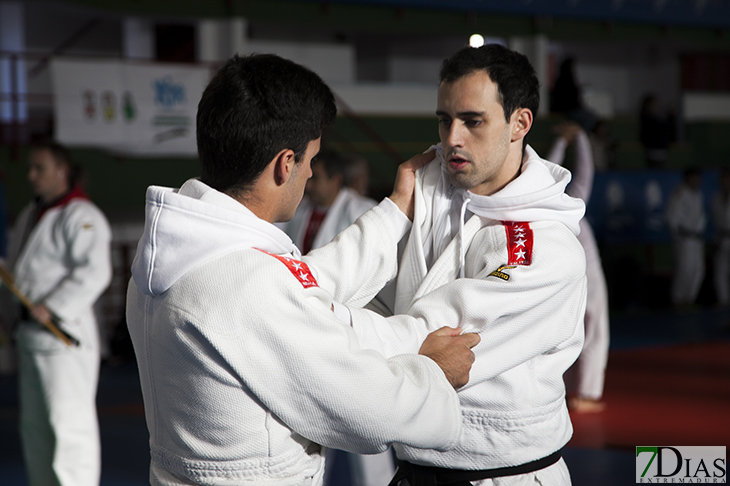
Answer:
(134, 108)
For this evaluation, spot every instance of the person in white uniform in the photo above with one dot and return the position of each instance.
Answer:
(328, 207)
(721, 219)
(493, 247)
(686, 220)
(357, 174)
(247, 360)
(585, 378)
(60, 256)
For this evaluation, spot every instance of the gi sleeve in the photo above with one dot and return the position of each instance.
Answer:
(581, 184)
(363, 257)
(310, 371)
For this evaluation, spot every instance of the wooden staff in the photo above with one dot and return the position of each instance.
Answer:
(9, 282)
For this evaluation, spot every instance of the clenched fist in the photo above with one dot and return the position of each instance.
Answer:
(451, 350)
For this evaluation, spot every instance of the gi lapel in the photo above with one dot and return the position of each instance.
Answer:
(446, 268)
(412, 268)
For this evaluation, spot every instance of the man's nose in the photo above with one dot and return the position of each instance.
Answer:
(456, 135)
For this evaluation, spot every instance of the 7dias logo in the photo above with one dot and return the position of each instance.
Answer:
(681, 465)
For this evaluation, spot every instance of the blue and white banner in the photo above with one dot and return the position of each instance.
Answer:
(135, 108)
(630, 206)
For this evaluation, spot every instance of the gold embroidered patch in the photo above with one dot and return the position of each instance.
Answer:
(500, 274)
(87, 226)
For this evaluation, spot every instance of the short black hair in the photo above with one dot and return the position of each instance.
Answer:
(253, 108)
(59, 152)
(513, 74)
(62, 156)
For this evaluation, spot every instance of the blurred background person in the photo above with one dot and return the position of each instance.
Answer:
(7, 349)
(585, 379)
(60, 255)
(333, 200)
(721, 219)
(3, 220)
(686, 221)
(328, 206)
(357, 174)
(566, 97)
(603, 146)
(656, 132)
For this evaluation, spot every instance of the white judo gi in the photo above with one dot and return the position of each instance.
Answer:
(63, 262)
(515, 274)
(686, 220)
(721, 219)
(586, 378)
(245, 368)
(344, 210)
(373, 469)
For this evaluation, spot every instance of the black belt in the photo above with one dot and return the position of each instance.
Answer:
(438, 476)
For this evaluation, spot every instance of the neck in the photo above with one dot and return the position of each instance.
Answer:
(253, 203)
(510, 171)
(327, 203)
(260, 203)
(55, 195)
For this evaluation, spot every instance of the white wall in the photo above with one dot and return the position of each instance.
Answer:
(627, 71)
(414, 69)
(388, 99)
(335, 63)
(706, 106)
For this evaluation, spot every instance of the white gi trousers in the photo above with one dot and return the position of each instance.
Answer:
(58, 423)
(689, 269)
(586, 377)
(722, 271)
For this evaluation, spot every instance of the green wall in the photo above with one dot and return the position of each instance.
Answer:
(117, 184)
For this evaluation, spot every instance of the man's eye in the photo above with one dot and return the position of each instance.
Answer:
(472, 123)
(445, 122)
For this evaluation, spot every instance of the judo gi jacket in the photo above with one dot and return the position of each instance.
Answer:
(65, 264)
(515, 273)
(245, 369)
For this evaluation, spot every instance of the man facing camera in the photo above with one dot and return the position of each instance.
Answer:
(493, 248)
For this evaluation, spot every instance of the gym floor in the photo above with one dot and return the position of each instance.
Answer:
(667, 383)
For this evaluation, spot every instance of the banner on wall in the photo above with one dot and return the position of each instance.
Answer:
(630, 206)
(139, 109)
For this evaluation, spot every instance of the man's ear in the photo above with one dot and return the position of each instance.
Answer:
(283, 166)
(521, 122)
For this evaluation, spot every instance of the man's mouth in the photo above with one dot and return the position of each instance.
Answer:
(457, 163)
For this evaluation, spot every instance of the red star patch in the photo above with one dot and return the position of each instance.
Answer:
(298, 268)
(519, 242)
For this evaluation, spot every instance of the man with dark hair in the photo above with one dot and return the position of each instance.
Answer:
(247, 360)
(493, 247)
(60, 255)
